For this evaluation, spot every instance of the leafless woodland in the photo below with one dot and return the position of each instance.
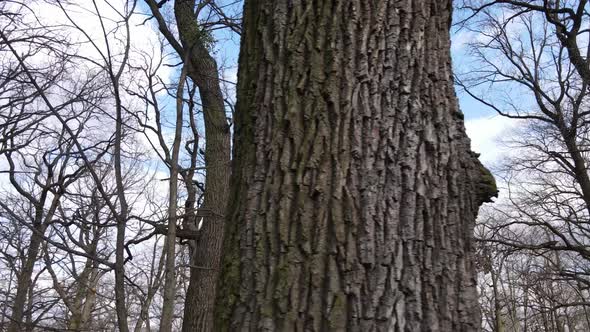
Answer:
(135, 194)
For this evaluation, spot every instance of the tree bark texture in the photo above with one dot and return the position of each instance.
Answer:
(354, 191)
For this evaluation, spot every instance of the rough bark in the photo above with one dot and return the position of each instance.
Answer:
(203, 70)
(354, 191)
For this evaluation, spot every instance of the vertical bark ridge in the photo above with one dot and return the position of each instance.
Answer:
(354, 189)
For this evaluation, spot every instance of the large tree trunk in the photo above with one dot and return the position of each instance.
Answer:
(354, 191)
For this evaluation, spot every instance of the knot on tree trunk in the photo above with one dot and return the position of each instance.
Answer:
(485, 184)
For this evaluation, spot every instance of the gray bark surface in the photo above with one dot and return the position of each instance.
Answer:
(354, 190)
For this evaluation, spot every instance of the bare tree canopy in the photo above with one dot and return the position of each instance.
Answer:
(530, 62)
(332, 187)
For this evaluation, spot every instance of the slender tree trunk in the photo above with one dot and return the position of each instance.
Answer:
(525, 318)
(84, 299)
(497, 305)
(120, 296)
(5, 302)
(90, 301)
(170, 276)
(24, 280)
(76, 320)
(354, 191)
(200, 297)
(580, 169)
(153, 286)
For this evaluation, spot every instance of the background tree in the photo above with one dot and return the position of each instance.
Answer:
(65, 105)
(40, 155)
(530, 62)
(195, 22)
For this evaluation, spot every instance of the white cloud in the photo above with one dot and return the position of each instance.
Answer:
(486, 135)
(460, 40)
